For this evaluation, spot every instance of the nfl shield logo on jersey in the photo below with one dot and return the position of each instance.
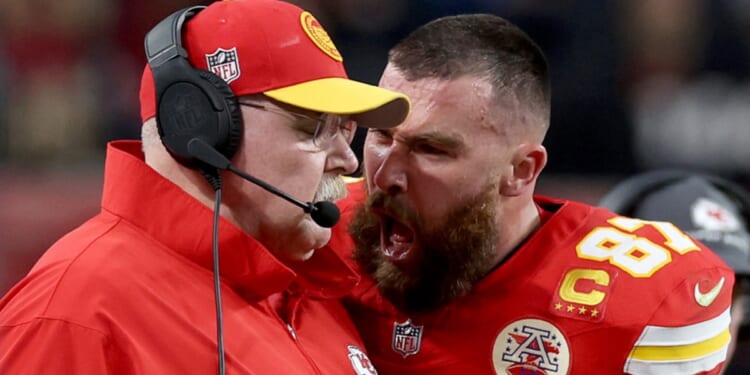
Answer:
(360, 362)
(407, 338)
(224, 64)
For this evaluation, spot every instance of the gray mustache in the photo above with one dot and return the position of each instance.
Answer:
(331, 189)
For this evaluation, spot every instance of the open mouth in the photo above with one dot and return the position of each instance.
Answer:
(396, 239)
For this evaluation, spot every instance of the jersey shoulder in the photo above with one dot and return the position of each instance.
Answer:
(617, 271)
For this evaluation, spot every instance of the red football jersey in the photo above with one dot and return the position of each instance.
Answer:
(589, 292)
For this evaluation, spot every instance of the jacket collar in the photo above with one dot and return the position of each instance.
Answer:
(183, 225)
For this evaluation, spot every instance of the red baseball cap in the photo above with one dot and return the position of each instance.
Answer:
(276, 48)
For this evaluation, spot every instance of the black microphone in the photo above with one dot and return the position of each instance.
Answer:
(323, 213)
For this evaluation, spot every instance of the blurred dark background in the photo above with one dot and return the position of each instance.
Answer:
(637, 85)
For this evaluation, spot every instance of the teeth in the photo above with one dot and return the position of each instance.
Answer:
(399, 240)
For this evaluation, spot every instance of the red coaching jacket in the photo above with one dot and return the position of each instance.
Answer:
(131, 292)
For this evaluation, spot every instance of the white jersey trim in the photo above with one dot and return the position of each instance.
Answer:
(685, 335)
(688, 345)
(692, 366)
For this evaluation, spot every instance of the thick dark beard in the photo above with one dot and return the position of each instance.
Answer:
(453, 255)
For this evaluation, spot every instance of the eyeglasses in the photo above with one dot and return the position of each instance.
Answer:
(328, 125)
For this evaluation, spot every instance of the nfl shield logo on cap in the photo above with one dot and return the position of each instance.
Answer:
(224, 63)
(407, 338)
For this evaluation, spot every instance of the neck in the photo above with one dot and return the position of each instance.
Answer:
(189, 180)
(519, 218)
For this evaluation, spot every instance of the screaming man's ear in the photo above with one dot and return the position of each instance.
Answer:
(527, 163)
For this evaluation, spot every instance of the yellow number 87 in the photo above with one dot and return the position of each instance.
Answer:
(638, 256)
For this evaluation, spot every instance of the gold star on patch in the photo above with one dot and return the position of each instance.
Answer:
(581, 310)
(570, 308)
(594, 312)
(558, 306)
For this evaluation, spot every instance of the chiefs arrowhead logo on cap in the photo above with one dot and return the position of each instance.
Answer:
(708, 214)
(319, 36)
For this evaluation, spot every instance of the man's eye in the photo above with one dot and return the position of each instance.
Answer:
(307, 126)
(348, 129)
(426, 148)
(380, 133)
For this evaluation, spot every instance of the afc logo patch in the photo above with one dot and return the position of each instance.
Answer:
(224, 63)
(407, 338)
(531, 346)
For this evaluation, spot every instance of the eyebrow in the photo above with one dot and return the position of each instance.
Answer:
(285, 107)
(437, 138)
(298, 110)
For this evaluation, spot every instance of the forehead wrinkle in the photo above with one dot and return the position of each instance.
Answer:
(464, 100)
(475, 94)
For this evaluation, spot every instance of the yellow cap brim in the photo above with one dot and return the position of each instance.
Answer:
(370, 106)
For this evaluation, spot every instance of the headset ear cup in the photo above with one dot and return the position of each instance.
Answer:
(190, 103)
(233, 122)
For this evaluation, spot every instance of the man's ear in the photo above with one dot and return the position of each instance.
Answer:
(527, 163)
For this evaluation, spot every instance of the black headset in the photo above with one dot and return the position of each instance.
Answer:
(190, 102)
(625, 196)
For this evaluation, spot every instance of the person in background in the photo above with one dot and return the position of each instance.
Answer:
(136, 289)
(710, 208)
(469, 272)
